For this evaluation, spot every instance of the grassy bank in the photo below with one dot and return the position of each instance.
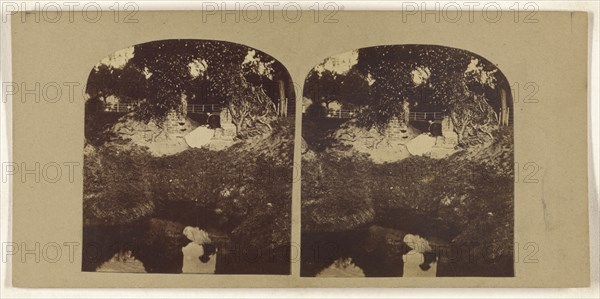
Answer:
(466, 200)
(243, 192)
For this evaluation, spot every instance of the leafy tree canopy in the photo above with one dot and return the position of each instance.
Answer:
(161, 72)
(426, 78)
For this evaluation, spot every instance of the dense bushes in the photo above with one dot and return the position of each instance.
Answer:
(470, 194)
(248, 186)
(319, 132)
(97, 122)
(116, 185)
(335, 193)
(316, 111)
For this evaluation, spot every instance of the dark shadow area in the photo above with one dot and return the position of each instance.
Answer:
(403, 140)
(188, 134)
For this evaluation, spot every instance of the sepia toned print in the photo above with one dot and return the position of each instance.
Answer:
(407, 165)
(106, 194)
(188, 160)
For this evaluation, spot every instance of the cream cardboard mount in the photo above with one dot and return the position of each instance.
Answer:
(545, 65)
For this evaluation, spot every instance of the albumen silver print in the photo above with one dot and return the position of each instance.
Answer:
(188, 160)
(388, 149)
(407, 165)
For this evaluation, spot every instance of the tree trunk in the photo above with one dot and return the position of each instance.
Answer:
(461, 132)
(459, 136)
(459, 128)
(405, 111)
(282, 102)
(237, 129)
(504, 116)
(239, 126)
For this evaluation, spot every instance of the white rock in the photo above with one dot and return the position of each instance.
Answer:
(199, 137)
(420, 145)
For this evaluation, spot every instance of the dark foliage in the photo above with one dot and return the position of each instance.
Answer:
(97, 123)
(464, 199)
(384, 78)
(244, 190)
(158, 77)
(350, 88)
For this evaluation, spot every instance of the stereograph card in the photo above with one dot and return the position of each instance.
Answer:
(342, 149)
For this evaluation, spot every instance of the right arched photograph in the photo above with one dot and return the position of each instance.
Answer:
(407, 165)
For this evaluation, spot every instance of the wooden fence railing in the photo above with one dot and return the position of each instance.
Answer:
(416, 115)
(198, 108)
(118, 107)
(191, 108)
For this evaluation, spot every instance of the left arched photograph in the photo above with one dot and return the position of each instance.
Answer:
(188, 160)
